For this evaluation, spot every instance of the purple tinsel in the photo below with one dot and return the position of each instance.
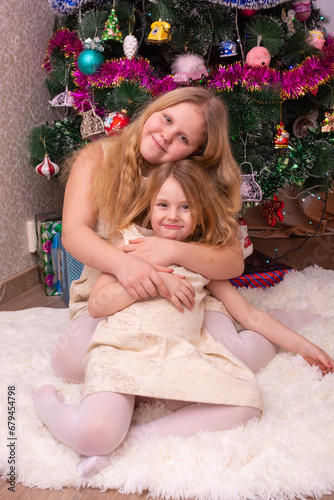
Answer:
(65, 40)
(292, 83)
(114, 72)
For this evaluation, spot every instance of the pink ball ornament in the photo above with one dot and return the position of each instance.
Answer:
(258, 56)
(316, 38)
(302, 9)
(115, 122)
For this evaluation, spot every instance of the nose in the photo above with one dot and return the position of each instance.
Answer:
(166, 135)
(173, 213)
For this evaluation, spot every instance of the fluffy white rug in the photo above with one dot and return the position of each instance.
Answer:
(288, 453)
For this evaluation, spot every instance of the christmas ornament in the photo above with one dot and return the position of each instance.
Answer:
(316, 38)
(47, 168)
(258, 56)
(250, 189)
(92, 125)
(111, 30)
(288, 19)
(293, 84)
(246, 244)
(303, 123)
(130, 45)
(64, 99)
(247, 12)
(65, 6)
(328, 123)
(115, 122)
(89, 61)
(302, 9)
(93, 44)
(227, 49)
(282, 137)
(272, 211)
(188, 68)
(159, 32)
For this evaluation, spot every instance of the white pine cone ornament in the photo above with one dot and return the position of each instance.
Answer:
(130, 45)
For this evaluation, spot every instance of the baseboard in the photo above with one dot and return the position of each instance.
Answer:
(18, 283)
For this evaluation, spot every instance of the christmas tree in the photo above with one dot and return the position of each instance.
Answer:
(271, 61)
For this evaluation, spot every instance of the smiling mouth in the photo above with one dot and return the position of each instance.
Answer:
(172, 226)
(158, 145)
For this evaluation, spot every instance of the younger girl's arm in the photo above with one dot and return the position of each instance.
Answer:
(252, 318)
(139, 278)
(109, 296)
(214, 263)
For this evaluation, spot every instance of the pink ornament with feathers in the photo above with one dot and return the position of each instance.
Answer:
(188, 68)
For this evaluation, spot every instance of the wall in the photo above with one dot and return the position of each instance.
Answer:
(26, 27)
(327, 8)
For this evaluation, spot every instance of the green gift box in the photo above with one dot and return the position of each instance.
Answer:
(47, 226)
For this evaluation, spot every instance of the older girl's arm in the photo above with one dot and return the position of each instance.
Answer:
(214, 263)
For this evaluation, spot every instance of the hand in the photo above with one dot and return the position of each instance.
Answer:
(152, 249)
(141, 280)
(182, 292)
(317, 357)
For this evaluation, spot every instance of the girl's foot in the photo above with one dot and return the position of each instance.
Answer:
(43, 397)
(89, 466)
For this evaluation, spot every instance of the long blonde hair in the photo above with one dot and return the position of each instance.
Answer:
(118, 179)
(212, 223)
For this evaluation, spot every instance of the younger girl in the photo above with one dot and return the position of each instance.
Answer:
(106, 177)
(152, 349)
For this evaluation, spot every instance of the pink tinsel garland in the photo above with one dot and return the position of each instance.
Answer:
(292, 84)
(65, 40)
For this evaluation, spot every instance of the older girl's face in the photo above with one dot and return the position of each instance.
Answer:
(172, 134)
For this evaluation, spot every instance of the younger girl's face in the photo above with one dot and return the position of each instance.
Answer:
(171, 217)
(172, 134)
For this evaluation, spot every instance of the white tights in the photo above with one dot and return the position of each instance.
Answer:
(102, 422)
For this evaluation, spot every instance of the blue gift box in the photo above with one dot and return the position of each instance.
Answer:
(66, 268)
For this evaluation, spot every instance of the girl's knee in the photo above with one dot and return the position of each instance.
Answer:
(67, 365)
(99, 438)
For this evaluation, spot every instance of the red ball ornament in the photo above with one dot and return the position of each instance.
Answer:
(247, 12)
(115, 122)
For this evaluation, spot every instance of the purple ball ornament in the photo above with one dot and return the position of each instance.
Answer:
(89, 61)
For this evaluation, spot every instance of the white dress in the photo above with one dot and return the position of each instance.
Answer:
(152, 349)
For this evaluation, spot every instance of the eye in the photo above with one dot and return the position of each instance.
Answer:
(167, 119)
(185, 207)
(183, 138)
(161, 204)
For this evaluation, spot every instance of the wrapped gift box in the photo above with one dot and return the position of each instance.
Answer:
(66, 268)
(261, 272)
(47, 226)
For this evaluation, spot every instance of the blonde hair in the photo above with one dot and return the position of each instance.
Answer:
(212, 224)
(118, 179)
